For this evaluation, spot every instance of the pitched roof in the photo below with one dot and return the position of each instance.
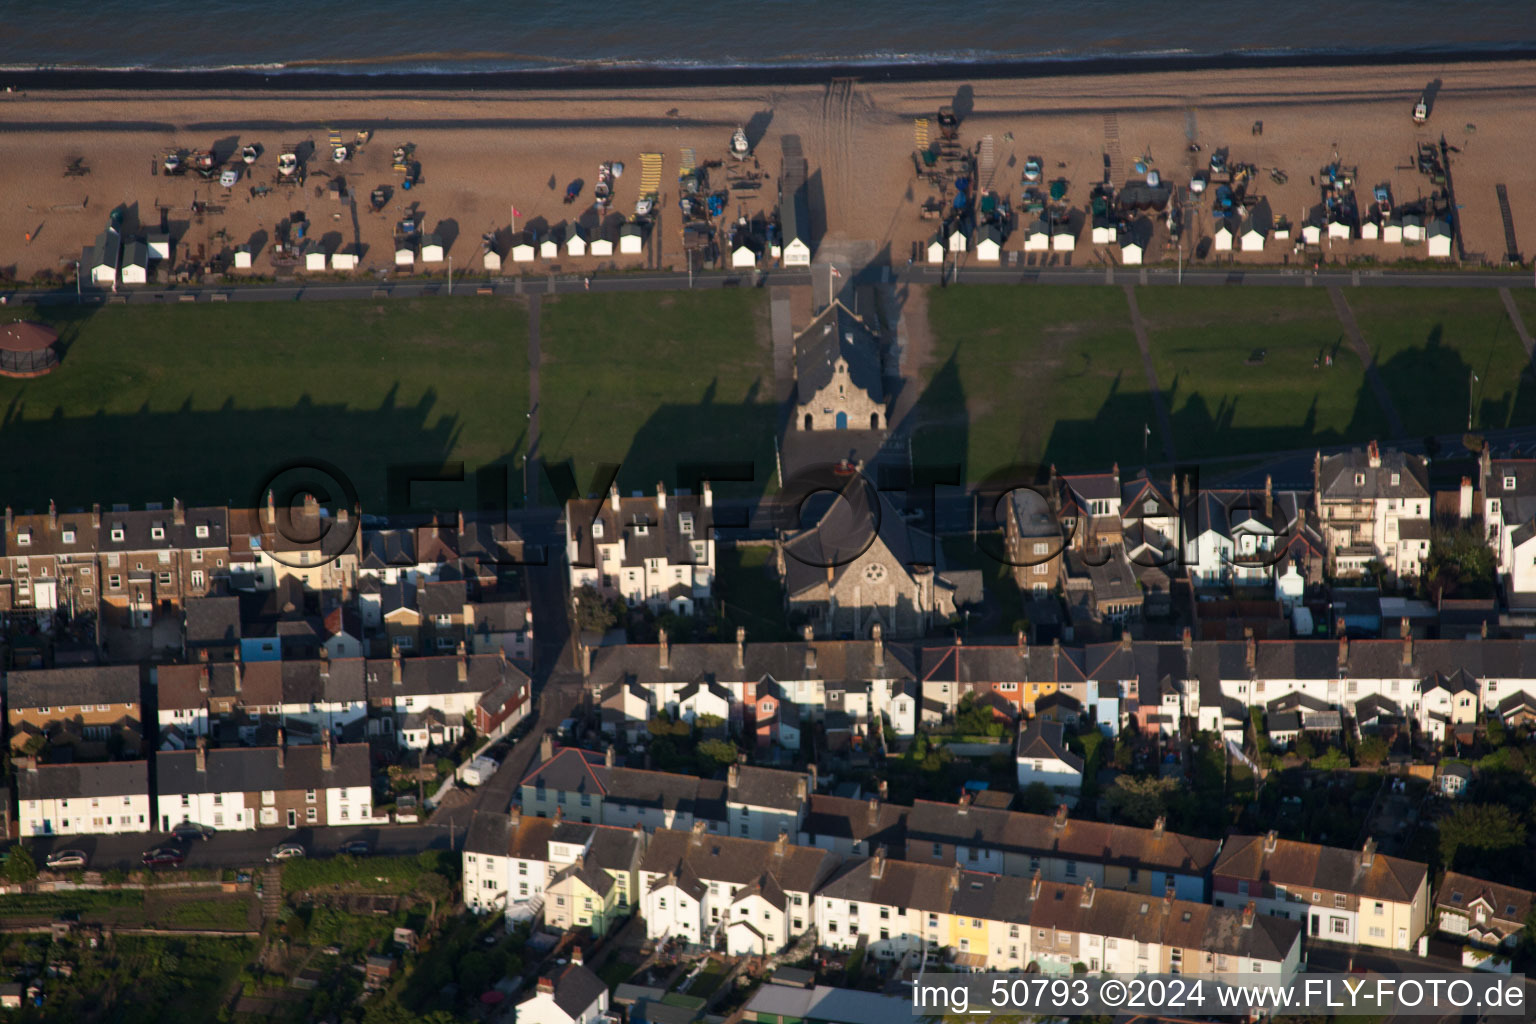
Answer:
(737, 861)
(1505, 902)
(71, 781)
(438, 674)
(85, 684)
(258, 769)
(570, 770)
(1046, 739)
(1337, 475)
(643, 528)
(866, 821)
(766, 787)
(1320, 867)
(212, 620)
(837, 334)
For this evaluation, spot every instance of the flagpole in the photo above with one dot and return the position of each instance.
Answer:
(513, 208)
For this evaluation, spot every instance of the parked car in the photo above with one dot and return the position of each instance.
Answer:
(357, 848)
(287, 851)
(164, 856)
(65, 859)
(189, 830)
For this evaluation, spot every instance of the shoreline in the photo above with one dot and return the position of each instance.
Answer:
(298, 77)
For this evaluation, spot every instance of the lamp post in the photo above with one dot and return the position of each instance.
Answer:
(1471, 383)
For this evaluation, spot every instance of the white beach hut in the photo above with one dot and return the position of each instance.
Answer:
(743, 255)
(935, 249)
(159, 245)
(631, 239)
(955, 240)
(1132, 252)
(1221, 239)
(1413, 228)
(432, 249)
(405, 253)
(1370, 229)
(243, 258)
(1340, 229)
(524, 250)
(1439, 238)
(314, 258)
(1392, 231)
(1063, 238)
(343, 260)
(1311, 233)
(1102, 232)
(1252, 238)
(1037, 237)
(989, 244)
(136, 263)
(99, 261)
(575, 242)
(549, 246)
(602, 245)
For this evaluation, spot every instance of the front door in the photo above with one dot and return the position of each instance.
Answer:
(842, 421)
(293, 819)
(1315, 919)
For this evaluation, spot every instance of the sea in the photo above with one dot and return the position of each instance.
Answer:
(77, 40)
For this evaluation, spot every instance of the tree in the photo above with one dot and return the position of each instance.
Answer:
(1037, 798)
(1372, 750)
(594, 613)
(1331, 760)
(1140, 801)
(715, 754)
(1482, 835)
(1460, 564)
(19, 866)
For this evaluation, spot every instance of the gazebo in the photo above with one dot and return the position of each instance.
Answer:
(27, 349)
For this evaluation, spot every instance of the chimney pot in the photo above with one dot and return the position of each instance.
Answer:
(576, 955)
(1061, 816)
(1271, 838)
(613, 496)
(709, 496)
(1034, 885)
(1087, 898)
(1368, 853)
(1159, 825)
(1248, 914)
(661, 497)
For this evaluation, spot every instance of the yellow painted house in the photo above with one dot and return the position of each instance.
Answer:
(584, 895)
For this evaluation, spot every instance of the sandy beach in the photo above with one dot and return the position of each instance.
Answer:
(482, 154)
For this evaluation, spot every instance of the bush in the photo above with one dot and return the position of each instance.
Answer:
(19, 867)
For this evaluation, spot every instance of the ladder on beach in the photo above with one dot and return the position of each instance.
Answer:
(650, 174)
(1112, 148)
(987, 163)
(920, 133)
(1511, 249)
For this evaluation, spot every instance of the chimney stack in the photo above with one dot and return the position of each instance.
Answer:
(741, 647)
(1061, 816)
(586, 659)
(781, 844)
(1159, 826)
(178, 512)
(280, 748)
(1271, 838)
(1407, 635)
(1373, 455)
(877, 865)
(1269, 497)
(96, 516)
(1125, 639)
(271, 513)
(576, 955)
(661, 497)
(396, 668)
(1021, 643)
(327, 754)
(802, 789)
(202, 756)
(53, 516)
(1087, 898)
(810, 658)
(10, 519)
(609, 757)
(1034, 885)
(733, 776)
(1343, 645)
(877, 634)
(1250, 650)
(885, 790)
(1248, 914)
(1368, 853)
(696, 838)
(1189, 640)
(463, 660)
(1464, 499)
(709, 496)
(613, 496)
(202, 678)
(954, 878)
(546, 986)
(874, 810)
(964, 804)
(546, 748)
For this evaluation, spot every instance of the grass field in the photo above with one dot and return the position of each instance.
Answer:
(1428, 342)
(1020, 375)
(749, 596)
(1202, 340)
(654, 381)
(202, 402)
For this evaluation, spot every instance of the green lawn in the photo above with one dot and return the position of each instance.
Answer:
(1202, 342)
(651, 382)
(1428, 342)
(1023, 375)
(203, 402)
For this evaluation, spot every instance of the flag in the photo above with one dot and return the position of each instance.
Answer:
(835, 271)
(516, 212)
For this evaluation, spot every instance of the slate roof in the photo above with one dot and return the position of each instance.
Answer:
(767, 787)
(441, 597)
(438, 674)
(576, 989)
(499, 616)
(832, 660)
(663, 537)
(256, 769)
(867, 821)
(973, 665)
(324, 680)
(1046, 740)
(180, 687)
(837, 334)
(212, 620)
(71, 781)
(1507, 904)
(71, 687)
(1327, 868)
(736, 861)
(1337, 473)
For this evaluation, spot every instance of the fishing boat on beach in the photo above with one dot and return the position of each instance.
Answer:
(249, 153)
(741, 147)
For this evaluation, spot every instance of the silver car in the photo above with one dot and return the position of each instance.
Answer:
(65, 859)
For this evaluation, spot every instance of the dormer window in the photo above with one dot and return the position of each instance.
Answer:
(642, 530)
(24, 537)
(1397, 478)
(117, 533)
(597, 529)
(685, 523)
(69, 536)
(202, 532)
(1509, 482)
(1359, 479)
(157, 533)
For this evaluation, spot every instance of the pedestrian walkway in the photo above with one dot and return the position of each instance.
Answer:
(1519, 322)
(1159, 402)
(271, 892)
(650, 174)
(1357, 342)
